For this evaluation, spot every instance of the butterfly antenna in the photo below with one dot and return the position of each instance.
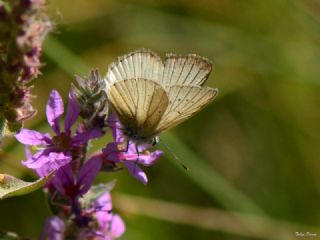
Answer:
(174, 155)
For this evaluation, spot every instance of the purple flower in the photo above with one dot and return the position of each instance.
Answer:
(54, 152)
(71, 186)
(53, 229)
(131, 155)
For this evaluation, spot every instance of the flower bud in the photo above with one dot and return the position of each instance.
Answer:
(92, 99)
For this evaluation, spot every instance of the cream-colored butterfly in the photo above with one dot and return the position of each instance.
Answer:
(150, 96)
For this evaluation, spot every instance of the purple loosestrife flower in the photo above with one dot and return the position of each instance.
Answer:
(118, 152)
(94, 221)
(54, 152)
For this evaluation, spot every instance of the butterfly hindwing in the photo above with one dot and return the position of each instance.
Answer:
(139, 104)
(185, 70)
(184, 102)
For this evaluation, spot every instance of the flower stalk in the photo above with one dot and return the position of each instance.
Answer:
(23, 27)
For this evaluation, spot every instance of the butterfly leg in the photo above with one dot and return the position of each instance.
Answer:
(138, 158)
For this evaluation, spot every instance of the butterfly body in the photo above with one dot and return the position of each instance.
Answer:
(150, 96)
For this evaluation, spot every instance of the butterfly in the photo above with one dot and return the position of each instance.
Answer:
(150, 96)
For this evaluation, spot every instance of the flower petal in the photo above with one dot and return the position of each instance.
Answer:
(88, 173)
(149, 159)
(32, 138)
(54, 110)
(117, 227)
(72, 114)
(31, 161)
(53, 229)
(103, 206)
(86, 136)
(116, 127)
(136, 172)
(112, 152)
(64, 181)
(47, 162)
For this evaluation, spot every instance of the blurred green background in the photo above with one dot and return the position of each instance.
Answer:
(253, 153)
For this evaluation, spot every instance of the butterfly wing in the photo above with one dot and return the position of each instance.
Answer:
(139, 104)
(184, 102)
(185, 70)
(140, 64)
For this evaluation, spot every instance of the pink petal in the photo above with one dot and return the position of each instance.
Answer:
(136, 172)
(32, 138)
(72, 112)
(88, 173)
(116, 127)
(150, 159)
(112, 152)
(54, 110)
(47, 163)
(63, 179)
(117, 226)
(86, 136)
(103, 215)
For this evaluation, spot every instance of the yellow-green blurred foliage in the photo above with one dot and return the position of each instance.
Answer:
(261, 134)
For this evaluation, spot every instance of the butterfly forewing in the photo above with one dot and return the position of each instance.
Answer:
(139, 104)
(141, 64)
(185, 70)
(185, 101)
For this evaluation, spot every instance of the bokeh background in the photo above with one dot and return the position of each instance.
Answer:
(253, 153)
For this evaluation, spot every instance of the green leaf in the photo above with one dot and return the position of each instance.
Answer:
(11, 186)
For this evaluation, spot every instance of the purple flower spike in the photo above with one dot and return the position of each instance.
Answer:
(58, 150)
(116, 152)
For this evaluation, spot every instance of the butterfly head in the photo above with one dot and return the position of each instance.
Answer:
(137, 138)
